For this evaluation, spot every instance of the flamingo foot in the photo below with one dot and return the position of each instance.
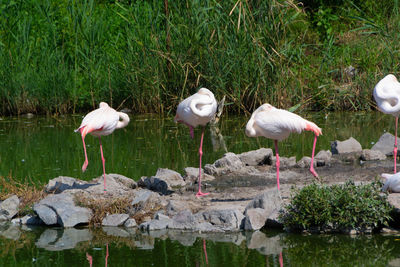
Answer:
(200, 194)
(314, 172)
(84, 166)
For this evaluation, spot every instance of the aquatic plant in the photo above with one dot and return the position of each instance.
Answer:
(337, 207)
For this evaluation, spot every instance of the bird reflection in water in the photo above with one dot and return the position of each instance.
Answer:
(90, 257)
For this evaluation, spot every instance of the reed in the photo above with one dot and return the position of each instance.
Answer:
(66, 56)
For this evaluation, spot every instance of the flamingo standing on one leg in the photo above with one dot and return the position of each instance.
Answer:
(195, 110)
(99, 122)
(277, 124)
(387, 97)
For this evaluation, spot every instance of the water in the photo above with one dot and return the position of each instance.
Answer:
(42, 148)
(124, 247)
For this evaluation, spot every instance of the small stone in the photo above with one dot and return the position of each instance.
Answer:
(350, 145)
(115, 220)
(256, 157)
(130, 223)
(369, 154)
(10, 207)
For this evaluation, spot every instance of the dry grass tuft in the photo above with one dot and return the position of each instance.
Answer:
(28, 192)
(103, 206)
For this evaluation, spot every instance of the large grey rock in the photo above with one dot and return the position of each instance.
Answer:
(229, 163)
(155, 184)
(123, 180)
(264, 207)
(156, 224)
(230, 219)
(145, 200)
(68, 214)
(62, 183)
(255, 219)
(115, 219)
(385, 144)
(28, 220)
(192, 175)
(369, 154)
(9, 207)
(57, 240)
(172, 178)
(130, 223)
(46, 214)
(284, 162)
(183, 220)
(256, 157)
(350, 145)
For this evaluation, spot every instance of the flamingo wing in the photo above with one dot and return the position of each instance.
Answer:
(387, 95)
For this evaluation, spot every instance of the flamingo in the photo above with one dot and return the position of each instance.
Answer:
(100, 122)
(277, 124)
(392, 183)
(387, 97)
(197, 109)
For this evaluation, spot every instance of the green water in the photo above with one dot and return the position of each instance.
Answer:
(124, 247)
(43, 148)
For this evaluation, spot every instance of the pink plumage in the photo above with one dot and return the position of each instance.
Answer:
(278, 124)
(100, 122)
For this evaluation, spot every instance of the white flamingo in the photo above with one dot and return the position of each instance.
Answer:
(197, 109)
(277, 124)
(100, 122)
(387, 97)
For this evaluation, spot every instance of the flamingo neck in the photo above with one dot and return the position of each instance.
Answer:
(124, 120)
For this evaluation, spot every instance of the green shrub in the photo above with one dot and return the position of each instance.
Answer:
(337, 207)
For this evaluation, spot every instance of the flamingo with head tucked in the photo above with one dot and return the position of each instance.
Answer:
(100, 122)
(387, 97)
(196, 110)
(277, 124)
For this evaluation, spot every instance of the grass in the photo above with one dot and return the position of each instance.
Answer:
(28, 193)
(67, 56)
(337, 207)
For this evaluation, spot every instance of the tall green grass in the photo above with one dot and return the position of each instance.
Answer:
(66, 56)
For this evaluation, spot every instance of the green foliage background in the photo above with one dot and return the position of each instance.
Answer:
(66, 56)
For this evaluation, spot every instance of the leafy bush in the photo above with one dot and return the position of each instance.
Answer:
(337, 207)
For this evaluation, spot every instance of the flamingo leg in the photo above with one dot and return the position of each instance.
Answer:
(85, 164)
(104, 164)
(395, 144)
(106, 261)
(277, 163)
(199, 193)
(312, 158)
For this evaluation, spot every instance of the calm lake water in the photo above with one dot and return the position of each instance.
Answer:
(42, 148)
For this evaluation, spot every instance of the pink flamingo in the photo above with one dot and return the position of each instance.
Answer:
(277, 124)
(99, 122)
(195, 110)
(387, 97)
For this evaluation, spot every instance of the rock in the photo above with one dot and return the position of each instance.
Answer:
(267, 207)
(115, 219)
(46, 214)
(115, 231)
(229, 163)
(369, 154)
(176, 206)
(305, 162)
(154, 184)
(257, 157)
(323, 158)
(130, 223)
(127, 182)
(255, 219)
(9, 207)
(230, 219)
(192, 175)
(284, 162)
(350, 72)
(183, 220)
(385, 144)
(62, 183)
(28, 220)
(155, 224)
(63, 206)
(172, 178)
(145, 200)
(350, 145)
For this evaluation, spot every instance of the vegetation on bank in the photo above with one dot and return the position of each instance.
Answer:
(337, 208)
(67, 56)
